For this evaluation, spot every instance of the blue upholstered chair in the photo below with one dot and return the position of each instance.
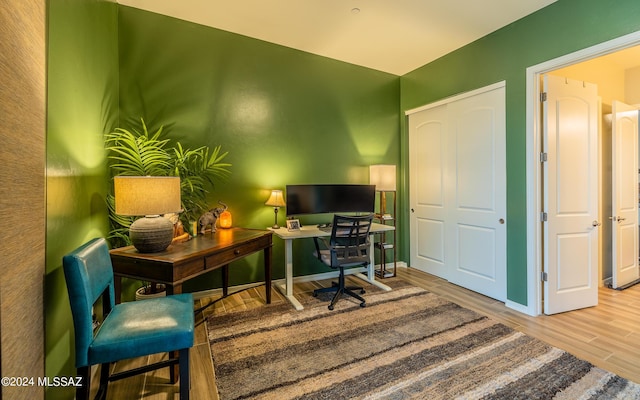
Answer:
(128, 330)
(347, 247)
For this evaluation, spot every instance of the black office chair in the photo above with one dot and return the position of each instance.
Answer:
(348, 247)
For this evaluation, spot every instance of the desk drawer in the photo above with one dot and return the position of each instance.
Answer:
(186, 270)
(226, 257)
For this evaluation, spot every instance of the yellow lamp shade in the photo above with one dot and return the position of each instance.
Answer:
(225, 219)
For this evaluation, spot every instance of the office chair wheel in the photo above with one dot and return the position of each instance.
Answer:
(362, 291)
(330, 307)
(363, 304)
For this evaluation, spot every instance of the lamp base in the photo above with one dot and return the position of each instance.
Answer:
(275, 220)
(151, 234)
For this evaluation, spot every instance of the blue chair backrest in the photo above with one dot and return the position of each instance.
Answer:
(88, 273)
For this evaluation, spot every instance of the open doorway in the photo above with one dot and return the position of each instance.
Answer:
(606, 65)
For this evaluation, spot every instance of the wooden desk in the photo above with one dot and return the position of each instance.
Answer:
(183, 261)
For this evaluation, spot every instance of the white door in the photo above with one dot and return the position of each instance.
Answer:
(624, 194)
(570, 199)
(457, 162)
(427, 139)
(476, 225)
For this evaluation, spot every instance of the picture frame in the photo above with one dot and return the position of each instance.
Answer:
(293, 225)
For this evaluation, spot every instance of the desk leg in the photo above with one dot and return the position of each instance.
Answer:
(267, 273)
(287, 289)
(371, 273)
(288, 274)
(225, 280)
(173, 289)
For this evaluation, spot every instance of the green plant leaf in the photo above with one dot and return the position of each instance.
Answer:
(141, 153)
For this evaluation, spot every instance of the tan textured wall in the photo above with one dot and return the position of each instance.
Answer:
(22, 197)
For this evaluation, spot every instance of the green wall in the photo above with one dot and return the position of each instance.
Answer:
(81, 105)
(564, 27)
(285, 116)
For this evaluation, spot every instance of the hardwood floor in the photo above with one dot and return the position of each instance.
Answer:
(608, 335)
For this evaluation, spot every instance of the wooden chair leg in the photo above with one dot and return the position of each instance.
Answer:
(83, 392)
(104, 381)
(185, 380)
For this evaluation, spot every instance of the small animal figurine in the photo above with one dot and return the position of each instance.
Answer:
(210, 218)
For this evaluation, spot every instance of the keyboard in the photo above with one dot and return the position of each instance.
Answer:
(325, 227)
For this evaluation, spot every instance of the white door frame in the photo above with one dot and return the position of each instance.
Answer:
(534, 183)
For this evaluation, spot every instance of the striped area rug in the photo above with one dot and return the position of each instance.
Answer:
(406, 344)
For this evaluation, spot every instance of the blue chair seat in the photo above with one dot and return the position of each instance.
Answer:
(140, 328)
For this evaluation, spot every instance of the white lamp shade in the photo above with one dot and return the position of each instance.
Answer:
(147, 195)
(383, 176)
(276, 199)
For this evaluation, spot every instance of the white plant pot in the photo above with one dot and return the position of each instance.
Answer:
(141, 295)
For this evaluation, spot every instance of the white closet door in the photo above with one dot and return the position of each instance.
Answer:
(427, 140)
(458, 190)
(477, 194)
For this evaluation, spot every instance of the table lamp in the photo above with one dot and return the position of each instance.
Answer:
(276, 201)
(384, 177)
(150, 197)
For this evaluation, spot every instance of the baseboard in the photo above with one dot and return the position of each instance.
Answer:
(296, 279)
(627, 286)
(520, 308)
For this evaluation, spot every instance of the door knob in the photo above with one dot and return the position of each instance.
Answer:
(501, 221)
(620, 219)
(596, 223)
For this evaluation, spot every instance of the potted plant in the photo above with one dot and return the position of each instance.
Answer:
(150, 290)
(141, 153)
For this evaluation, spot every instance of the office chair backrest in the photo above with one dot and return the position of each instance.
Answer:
(350, 240)
(89, 274)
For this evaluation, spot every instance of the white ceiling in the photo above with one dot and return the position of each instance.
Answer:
(395, 36)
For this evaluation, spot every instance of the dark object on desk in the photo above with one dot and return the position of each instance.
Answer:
(348, 246)
(200, 255)
(128, 330)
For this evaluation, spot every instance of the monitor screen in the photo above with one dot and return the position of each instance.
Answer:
(319, 199)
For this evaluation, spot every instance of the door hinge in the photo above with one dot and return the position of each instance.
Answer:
(543, 216)
(543, 96)
(543, 276)
(543, 157)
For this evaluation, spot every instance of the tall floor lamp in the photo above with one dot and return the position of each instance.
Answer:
(276, 200)
(384, 177)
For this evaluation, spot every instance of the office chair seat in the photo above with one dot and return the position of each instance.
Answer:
(127, 330)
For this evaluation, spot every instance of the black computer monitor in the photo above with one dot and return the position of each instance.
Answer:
(325, 198)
